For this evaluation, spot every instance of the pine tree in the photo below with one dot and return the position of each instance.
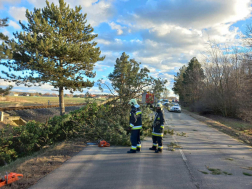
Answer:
(178, 86)
(193, 80)
(129, 80)
(3, 23)
(6, 91)
(158, 87)
(55, 47)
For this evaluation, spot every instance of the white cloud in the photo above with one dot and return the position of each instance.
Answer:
(117, 27)
(14, 24)
(173, 32)
(98, 11)
(88, 3)
(102, 41)
(192, 13)
(18, 13)
(42, 3)
(5, 83)
(9, 2)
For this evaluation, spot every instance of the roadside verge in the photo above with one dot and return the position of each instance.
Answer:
(221, 127)
(41, 163)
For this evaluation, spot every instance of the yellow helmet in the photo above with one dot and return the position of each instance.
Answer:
(133, 102)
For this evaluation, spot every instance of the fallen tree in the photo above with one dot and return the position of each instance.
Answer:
(93, 122)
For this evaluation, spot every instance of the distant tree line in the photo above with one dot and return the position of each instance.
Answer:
(221, 85)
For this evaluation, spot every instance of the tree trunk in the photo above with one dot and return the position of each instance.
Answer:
(61, 101)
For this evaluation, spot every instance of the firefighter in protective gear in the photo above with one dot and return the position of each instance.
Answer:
(158, 129)
(135, 126)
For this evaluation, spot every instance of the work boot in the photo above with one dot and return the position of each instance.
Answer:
(131, 151)
(158, 151)
(138, 150)
(153, 148)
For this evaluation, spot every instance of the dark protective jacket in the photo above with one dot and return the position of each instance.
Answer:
(158, 124)
(135, 118)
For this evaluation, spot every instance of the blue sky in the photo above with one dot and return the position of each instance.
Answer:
(161, 34)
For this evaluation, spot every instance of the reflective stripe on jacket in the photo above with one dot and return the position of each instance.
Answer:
(158, 124)
(135, 118)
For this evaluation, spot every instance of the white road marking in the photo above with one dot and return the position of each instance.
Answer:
(183, 155)
(181, 151)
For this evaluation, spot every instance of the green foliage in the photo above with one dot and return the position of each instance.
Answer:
(204, 172)
(129, 81)
(247, 174)
(193, 81)
(3, 23)
(178, 87)
(55, 47)
(170, 131)
(217, 171)
(127, 78)
(146, 121)
(92, 123)
(158, 87)
(5, 91)
(181, 134)
(188, 82)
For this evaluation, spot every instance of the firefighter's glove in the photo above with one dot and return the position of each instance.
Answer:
(129, 129)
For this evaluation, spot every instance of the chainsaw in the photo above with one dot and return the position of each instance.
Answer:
(103, 143)
(10, 178)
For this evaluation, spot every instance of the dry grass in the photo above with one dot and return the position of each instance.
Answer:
(41, 163)
(241, 135)
(236, 124)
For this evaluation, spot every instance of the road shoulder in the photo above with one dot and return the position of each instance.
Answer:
(221, 127)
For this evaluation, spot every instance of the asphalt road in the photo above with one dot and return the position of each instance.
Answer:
(113, 168)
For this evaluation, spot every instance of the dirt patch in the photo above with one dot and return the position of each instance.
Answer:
(40, 115)
(223, 128)
(39, 165)
(2, 125)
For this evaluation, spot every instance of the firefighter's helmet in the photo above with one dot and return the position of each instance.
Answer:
(159, 105)
(133, 102)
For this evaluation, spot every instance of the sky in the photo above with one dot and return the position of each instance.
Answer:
(163, 35)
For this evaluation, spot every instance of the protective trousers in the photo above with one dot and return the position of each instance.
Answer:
(157, 142)
(135, 139)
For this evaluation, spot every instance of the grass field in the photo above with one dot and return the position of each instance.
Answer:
(36, 101)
